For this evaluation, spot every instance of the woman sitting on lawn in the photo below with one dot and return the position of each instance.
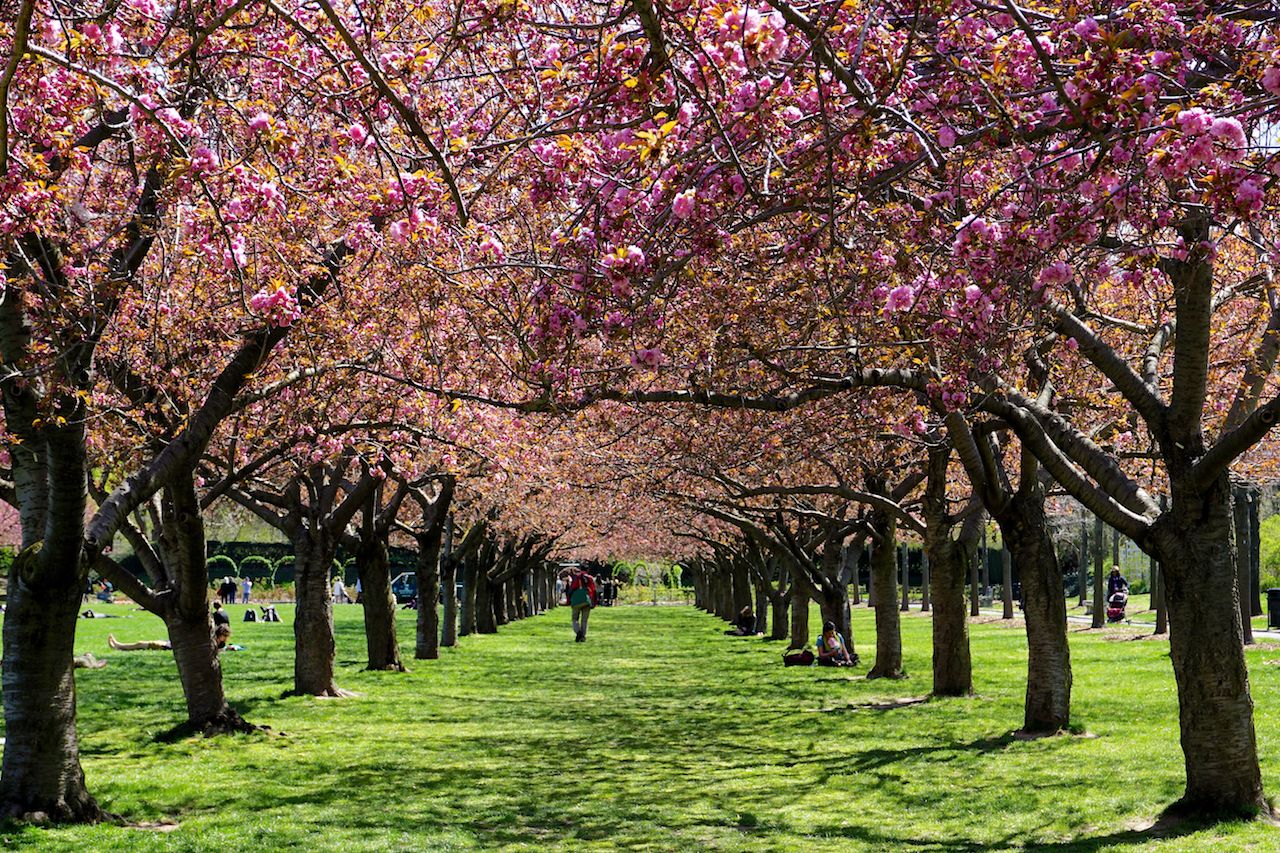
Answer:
(831, 648)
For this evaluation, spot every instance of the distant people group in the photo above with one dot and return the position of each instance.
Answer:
(227, 590)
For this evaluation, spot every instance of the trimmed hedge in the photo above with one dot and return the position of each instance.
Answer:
(220, 566)
(257, 568)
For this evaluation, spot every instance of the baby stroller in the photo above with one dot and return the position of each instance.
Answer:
(1116, 605)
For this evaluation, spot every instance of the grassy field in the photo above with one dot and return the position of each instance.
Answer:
(660, 734)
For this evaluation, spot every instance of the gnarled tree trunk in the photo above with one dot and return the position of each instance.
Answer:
(1195, 544)
(41, 779)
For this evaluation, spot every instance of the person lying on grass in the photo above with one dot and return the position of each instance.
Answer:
(140, 646)
(831, 648)
(221, 634)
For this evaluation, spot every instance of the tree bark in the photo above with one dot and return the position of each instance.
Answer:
(1194, 543)
(1026, 539)
(470, 580)
(185, 611)
(1240, 507)
(200, 671)
(1157, 597)
(486, 621)
(1099, 584)
(1006, 580)
(373, 566)
(41, 779)
(1082, 567)
(888, 618)
(1255, 556)
(314, 644)
(449, 608)
(952, 666)
(925, 603)
(906, 579)
(799, 618)
(974, 580)
(762, 608)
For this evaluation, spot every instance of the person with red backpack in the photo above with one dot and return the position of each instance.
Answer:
(581, 589)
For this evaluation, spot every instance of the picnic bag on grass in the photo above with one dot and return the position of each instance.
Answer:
(797, 657)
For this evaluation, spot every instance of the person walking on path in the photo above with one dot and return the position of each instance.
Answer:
(339, 591)
(246, 586)
(581, 588)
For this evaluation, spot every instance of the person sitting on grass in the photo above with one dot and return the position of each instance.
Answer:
(221, 635)
(220, 616)
(744, 625)
(140, 646)
(832, 650)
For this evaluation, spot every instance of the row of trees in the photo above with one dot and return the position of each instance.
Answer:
(807, 272)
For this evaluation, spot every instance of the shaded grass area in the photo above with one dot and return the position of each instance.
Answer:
(660, 733)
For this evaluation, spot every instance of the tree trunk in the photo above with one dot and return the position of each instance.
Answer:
(888, 618)
(1194, 542)
(1240, 507)
(1044, 608)
(974, 581)
(41, 779)
(486, 621)
(185, 611)
(871, 576)
(925, 604)
(1082, 567)
(427, 639)
(762, 608)
(1006, 581)
(200, 671)
(1255, 555)
(727, 595)
(906, 578)
(373, 566)
(741, 587)
(851, 560)
(449, 607)
(952, 666)
(314, 644)
(1157, 597)
(799, 619)
(470, 582)
(1099, 582)
(781, 624)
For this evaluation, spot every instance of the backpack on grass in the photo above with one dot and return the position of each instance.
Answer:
(797, 657)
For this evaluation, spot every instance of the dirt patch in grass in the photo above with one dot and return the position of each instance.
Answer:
(154, 825)
(993, 619)
(876, 705)
(1130, 636)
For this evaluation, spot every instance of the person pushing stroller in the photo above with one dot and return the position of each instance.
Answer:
(1117, 595)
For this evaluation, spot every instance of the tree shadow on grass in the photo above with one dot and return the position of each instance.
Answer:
(1161, 830)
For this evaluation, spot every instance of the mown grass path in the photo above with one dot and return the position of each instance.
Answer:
(660, 733)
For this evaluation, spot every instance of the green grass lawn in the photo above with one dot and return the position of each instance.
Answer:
(660, 734)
